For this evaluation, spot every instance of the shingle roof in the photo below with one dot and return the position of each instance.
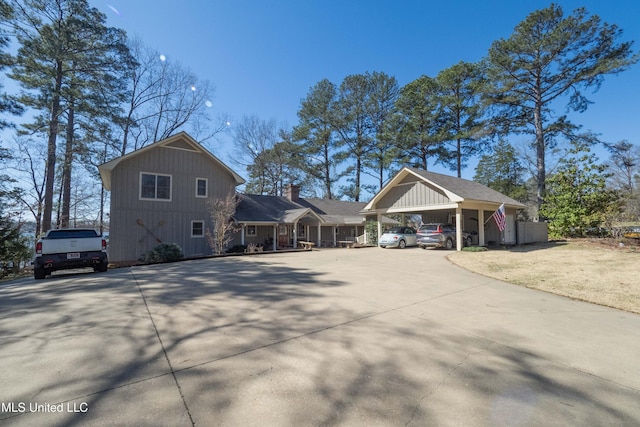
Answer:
(468, 190)
(336, 211)
(259, 208)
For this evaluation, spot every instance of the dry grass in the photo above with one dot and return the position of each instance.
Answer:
(581, 270)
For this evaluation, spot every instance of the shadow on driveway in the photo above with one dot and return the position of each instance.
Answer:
(269, 342)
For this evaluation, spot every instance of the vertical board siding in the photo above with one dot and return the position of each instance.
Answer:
(169, 221)
(412, 194)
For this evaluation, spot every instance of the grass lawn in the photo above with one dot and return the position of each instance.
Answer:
(584, 270)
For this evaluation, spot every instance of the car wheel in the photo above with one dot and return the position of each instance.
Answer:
(402, 244)
(468, 241)
(423, 246)
(448, 244)
(382, 246)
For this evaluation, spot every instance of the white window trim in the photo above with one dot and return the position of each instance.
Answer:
(254, 228)
(203, 230)
(206, 188)
(155, 199)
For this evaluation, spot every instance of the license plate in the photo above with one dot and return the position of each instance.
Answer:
(73, 255)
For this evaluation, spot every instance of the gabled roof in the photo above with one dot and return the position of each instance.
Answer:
(456, 189)
(181, 138)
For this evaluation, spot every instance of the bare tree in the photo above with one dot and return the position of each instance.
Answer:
(164, 97)
(222, 211)
(32, 177)
(256, 143)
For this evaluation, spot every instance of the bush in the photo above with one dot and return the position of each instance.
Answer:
(475, 249)
(237, 249)
(164, 252)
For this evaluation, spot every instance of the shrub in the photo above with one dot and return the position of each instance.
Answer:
(475, 249)
(237, 249)
(164, 252)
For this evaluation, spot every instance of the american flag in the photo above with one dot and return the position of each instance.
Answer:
(500, 217)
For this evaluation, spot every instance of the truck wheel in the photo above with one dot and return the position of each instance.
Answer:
(39, 273)
(101, 268)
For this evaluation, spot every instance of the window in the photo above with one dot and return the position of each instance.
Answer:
(251, 230)
(155, 186)
(201, 187)
(197, 228)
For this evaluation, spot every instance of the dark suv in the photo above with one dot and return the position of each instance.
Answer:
(440, 236)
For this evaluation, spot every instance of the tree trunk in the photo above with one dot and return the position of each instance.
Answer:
(358, 170)
(51, 151)
(66, 170)
(327, 171)
(540, 153)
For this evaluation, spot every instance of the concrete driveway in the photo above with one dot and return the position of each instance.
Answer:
(350, 337)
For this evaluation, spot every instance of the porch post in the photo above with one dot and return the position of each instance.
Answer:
(319, 234)
(458, 227)
(275, 238)
(242, 228)
(379, 226)
(334, 229)
(295, 235)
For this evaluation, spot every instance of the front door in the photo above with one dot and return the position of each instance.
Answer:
(283, 235)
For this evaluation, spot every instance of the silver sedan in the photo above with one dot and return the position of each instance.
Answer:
(399, 237)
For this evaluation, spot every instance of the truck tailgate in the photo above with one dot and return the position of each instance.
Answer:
(82, 244)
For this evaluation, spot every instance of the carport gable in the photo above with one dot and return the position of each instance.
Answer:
(409, 191)
(413, 191)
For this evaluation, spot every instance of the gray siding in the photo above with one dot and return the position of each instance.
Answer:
(412, 194)
(135, 222)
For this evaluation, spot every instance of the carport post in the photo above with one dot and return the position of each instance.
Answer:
(458, 228)
(481, 227)
(379, 226)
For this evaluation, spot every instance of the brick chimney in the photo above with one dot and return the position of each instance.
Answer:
(292, 192)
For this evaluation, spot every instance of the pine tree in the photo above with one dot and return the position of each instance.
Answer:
(551, 57)
(502, 171)
(316, 136)
(66, 57)
(419, 124)
(459, 89)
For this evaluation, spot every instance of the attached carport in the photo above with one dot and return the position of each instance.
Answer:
(442, 198)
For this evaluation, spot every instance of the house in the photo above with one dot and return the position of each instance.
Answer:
(159, 193)
(274, 221)
(443, 198)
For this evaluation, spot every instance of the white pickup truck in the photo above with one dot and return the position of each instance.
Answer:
(70, 248)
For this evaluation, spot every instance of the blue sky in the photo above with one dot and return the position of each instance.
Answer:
(264, 56)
